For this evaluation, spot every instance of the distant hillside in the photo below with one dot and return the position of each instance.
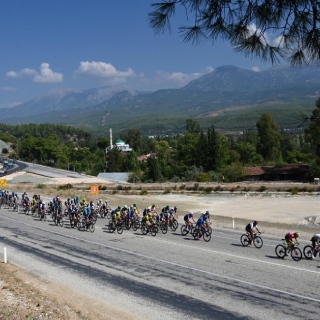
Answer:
(226, 91)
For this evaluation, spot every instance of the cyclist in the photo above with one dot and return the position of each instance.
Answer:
(149, 219)
(187, 219)
(290, 237)
(315, 242)
(202, 223)
(116, 214)
(250, 229)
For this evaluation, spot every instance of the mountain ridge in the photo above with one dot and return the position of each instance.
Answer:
(223, 88)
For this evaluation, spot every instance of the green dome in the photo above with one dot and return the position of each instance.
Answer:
(119, 141)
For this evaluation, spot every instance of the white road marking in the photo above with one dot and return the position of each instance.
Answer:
(175, 243)
(178, 265)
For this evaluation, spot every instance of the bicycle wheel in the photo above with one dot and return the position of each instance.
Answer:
(154, 231)
(258, 243)
(280, 251)
(120, 229)
(184, 230)
(144, 230)
(307, 252)
(111, 228)
(134, 226)
(195, 233)
(164, 228)
(207, 236)
(245, 240)
(61, 222)
(92, 227)
(296, 254)
(174, 225)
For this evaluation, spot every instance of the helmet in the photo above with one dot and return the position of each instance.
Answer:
(191, 213)
(207, 214)
(297, 234)
(126, 206)
(134, 205)
(119, 208)
(100, 200)
(255, 222)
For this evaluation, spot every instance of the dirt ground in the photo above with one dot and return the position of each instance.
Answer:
(23, 295)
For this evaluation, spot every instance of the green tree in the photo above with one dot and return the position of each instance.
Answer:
(248, 153)
(154, 172)
(269, 30)
(192, 126)
(312, 133)
(269, 138)
(131, 163)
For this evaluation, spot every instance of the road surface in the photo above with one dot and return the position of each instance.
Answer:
(168, 276)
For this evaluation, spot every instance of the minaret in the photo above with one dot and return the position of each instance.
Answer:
(111, 138)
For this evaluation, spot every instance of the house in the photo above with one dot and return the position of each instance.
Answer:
(299, 172)
(144, 158)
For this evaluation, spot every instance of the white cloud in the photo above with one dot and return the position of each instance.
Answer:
(47, 75)
(179, 79)
(8, 89)
(26, 72)
(255, 69)
(103, 70)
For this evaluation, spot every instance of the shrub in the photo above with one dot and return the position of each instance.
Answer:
(114, 191)
(294, 191)
(218, 188)
(182, 187)
(262, 188)
(166, 191)
(208, 189)
(143, 192)
(195, 186)
(40, 186)
(67, 186)
(119, 187)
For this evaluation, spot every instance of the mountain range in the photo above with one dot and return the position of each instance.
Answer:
(225, 93)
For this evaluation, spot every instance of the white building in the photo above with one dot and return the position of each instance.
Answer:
(120, 145)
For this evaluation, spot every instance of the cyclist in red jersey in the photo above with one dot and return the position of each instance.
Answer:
(290, 236)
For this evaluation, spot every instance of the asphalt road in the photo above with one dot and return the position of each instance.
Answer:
(168, 276)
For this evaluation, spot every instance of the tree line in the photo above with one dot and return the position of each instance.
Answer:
(200, 154)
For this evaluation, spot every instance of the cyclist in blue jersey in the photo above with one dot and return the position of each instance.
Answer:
(188, 219)
(202, 223)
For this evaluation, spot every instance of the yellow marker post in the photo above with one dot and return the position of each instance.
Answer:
(94, 189)
(3, 182)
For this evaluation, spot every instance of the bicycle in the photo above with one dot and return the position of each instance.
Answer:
(185, 230)
(112, 226)
(308, 251)
(247, 239)
(203, 232)
(282, 250)
(152, 228)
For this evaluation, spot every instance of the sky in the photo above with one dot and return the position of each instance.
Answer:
(49, 45)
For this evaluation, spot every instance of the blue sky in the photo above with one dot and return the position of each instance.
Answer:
(82, 44)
